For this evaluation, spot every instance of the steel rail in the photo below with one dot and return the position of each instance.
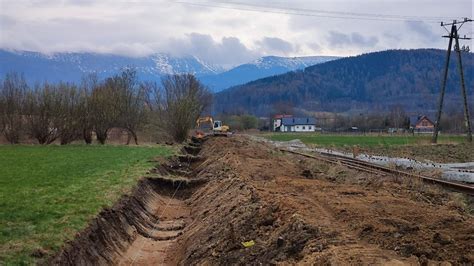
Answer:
(378, 169)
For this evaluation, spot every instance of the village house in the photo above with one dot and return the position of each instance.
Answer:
(421, 124)
(287, 123)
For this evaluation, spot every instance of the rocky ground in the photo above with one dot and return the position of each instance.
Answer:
(240, 201)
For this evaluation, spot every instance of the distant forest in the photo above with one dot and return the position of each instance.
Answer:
(369, 82)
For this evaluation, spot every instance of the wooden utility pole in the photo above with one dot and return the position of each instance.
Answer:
(453, 35)
(467, 120)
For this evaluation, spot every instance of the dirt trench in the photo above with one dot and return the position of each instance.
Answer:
(141, 228)
(159, 246)
(237, 201)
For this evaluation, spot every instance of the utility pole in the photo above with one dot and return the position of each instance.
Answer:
(453, 35)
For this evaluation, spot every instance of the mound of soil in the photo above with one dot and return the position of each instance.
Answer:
(237, 201)
(301, 211)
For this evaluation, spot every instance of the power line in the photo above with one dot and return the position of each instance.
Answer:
(313, 12)
(453, 37)
(345, 13)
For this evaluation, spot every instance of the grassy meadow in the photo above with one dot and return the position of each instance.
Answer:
(48, 193)
(336, 140)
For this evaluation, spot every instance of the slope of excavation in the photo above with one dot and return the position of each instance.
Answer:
(161, 241)
(301, 211)
(238, 201)
(141, 228)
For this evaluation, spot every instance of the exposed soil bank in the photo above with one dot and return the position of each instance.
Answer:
(302, 211)
(295, 210)
(154, 213)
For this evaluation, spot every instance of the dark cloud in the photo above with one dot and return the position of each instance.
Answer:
(276, 45)
(422, 29)
(339, 39)
(227, 52)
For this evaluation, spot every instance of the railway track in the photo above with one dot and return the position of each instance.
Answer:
(372, 168)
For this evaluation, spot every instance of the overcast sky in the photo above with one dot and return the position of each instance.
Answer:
(223, 32)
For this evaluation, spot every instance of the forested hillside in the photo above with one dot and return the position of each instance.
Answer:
(263, 67)
(374, 81)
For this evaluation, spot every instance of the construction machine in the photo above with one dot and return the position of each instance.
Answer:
(208, 126)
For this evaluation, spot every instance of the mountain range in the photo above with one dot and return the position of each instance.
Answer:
(370, 82)
(71, 67)
(261, 68)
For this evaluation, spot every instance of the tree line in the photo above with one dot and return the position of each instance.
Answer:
(68, 112)
(370, 82)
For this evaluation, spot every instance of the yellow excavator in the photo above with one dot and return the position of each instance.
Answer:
(208, 126)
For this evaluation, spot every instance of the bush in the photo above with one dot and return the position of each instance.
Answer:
(180, 103)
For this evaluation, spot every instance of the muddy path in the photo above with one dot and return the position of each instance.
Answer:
(237, 201)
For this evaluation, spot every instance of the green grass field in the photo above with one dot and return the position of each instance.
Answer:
(48, 193)
(327, 140)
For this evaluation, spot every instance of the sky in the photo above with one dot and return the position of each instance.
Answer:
(227, 33)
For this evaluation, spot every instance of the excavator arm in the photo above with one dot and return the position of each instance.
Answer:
(202, 120)
(215, 126)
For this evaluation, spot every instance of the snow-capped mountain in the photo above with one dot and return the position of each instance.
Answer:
(261, 68)
(71, 67)
(292, 63)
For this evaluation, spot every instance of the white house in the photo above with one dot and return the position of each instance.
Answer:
(294, 124)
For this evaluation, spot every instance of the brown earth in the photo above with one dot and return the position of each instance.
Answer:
(200, 209)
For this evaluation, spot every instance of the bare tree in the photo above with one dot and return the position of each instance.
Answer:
(43, 105)
(69, 120)
(88, 84)
(103, 116)
(184, 99)
(397, 117)
(12, 99)
(118, 101)
(131, 103)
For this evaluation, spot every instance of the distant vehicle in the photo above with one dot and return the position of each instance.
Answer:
(208, 126)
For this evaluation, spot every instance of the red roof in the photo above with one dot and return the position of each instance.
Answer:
(282, 116)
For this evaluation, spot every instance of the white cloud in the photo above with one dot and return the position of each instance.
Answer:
(219, 35)
(227, 51)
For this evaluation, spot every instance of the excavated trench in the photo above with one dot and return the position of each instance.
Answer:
(238, 201)
(141, 228)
